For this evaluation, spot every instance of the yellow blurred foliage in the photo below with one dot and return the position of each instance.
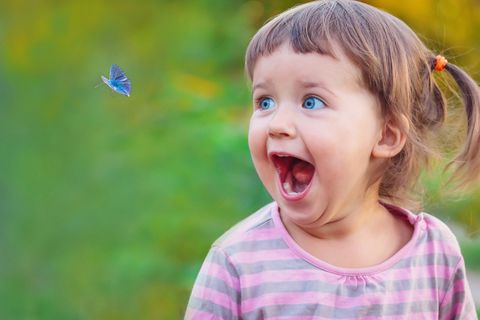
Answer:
(201, 87)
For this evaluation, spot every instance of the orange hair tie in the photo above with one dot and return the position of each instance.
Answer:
(440, 63)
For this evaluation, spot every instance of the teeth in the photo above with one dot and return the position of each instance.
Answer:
(288, 188)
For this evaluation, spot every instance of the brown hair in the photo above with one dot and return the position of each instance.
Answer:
(397, 67)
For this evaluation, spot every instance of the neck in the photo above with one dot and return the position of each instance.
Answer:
(360, 216)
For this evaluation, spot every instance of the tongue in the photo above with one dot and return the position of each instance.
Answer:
(302, 172)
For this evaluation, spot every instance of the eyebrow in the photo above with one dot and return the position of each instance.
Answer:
(260, 85)
(310, 85)
(304, 84)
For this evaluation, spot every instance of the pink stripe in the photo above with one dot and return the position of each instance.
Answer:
(334, 301)
(441, 273)
(301, 318)
(242, 228)
(216, 297)
(250, 280)
(193, 314)
(253, 235)
(460, 285)
(264, 255)
(261, 234)
(458, 310)
(424, 315)
(217, 271)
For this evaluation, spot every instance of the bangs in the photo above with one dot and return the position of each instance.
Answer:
(300, 28)
(327, 26)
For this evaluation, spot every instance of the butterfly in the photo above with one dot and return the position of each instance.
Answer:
(118, 81)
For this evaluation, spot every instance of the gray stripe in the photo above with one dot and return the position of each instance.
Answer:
(217, 257)
(412, 262)
(319, 310)
(438, 236)
(427, 260)
(268, 224)
(422, 239)
(252, 222)
(218, 285)
(465, 307)
(343, 290)
(273, 265)
(447, 308)
(210, 307)
(459, 275)
(249, 246)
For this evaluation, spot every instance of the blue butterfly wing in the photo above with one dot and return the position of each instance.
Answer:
(108, 83)
(123, 84)
(127, 86)
(116, 73)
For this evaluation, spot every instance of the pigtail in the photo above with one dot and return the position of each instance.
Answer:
(467, 162)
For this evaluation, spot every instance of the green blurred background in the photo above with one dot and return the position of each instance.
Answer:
(108, 204)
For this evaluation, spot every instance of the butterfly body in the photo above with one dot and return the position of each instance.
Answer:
(118, 81)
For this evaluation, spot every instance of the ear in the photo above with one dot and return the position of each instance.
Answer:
(392, 139)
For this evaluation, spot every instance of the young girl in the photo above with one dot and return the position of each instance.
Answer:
(345, 101)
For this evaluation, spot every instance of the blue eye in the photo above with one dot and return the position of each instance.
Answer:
(313, 103)
(266, 103)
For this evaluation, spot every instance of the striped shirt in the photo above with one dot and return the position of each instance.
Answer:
(257, 271)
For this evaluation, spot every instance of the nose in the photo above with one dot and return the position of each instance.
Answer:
(281, 124)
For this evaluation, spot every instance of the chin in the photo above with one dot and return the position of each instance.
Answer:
(299, 214)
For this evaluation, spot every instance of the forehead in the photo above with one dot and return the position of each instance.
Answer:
(284, 62)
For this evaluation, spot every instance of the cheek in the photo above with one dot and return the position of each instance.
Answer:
(256, 138)
(253, 142)
(257, 143)
(338, 150)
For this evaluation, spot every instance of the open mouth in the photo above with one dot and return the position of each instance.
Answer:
(295, 175)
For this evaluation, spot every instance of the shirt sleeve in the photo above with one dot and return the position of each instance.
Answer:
(457, 302)
(216, 292)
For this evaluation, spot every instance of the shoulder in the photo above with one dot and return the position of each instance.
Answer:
(440, 238)
(439, 229)
(429, 231)
(254, 229)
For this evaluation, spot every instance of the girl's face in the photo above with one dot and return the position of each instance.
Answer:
(311, 134)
